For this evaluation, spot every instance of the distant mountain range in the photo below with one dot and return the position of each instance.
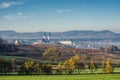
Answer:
(74, 34)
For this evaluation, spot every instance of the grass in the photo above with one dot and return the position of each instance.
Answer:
(64, 77)
(18, 58)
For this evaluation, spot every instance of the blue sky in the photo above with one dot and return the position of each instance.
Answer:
(59, 15)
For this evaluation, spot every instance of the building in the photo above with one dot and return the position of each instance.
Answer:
(46, 39)
(49, 36)
(66, 42)
(17, 42)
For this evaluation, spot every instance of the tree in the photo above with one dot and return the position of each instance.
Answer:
(74, 63)
(119, 63)
(13, 61)
(27, 68)
(5, 66)
(38, 68)
(80, 66)
(59, 67)
(2, 65)
(108, 67)
(47, 68)
(1, 41)
(92, 66)
(76, 57)
(51, 53)
(70, 65)
(103, 64)
(111, 48)
(101, 48)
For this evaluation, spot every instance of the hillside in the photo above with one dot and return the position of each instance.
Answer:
(36, 52)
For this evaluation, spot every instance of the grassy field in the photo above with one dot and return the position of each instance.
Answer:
(64, 77)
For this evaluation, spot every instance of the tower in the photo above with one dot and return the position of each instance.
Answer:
(44, 37)
(49, 36)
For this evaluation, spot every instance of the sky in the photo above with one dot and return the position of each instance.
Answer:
(59, 15)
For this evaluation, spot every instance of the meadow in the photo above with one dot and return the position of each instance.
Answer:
(64, 77)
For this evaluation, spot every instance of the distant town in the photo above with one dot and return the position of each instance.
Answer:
(76, 43)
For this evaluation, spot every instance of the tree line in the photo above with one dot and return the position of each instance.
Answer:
(71, 66)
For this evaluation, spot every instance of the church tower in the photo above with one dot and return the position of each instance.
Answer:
(49, 36)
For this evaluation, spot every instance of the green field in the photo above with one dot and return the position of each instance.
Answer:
(64, 77)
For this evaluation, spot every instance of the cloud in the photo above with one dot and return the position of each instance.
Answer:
(9, 17)
(63, 11)
(18, 15)
(9, 4)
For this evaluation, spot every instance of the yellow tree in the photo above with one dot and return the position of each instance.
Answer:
(79, 65)
(38, 68)
(70, 65)
(29, 67)
(59, 67)
(76, 57)
(108, 67)
(28, 64)
(51, 53)
(74, 63)
(66, 65)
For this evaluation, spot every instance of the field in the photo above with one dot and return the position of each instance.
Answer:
(64, 77)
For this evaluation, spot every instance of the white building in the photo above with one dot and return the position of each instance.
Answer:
(66, 42)
(37, 43)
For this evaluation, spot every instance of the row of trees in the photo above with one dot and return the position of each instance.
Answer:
(30, 67)
(70, 66)
(110, 48)
(74, 63)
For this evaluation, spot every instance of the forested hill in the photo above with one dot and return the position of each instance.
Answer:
(74, 34)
